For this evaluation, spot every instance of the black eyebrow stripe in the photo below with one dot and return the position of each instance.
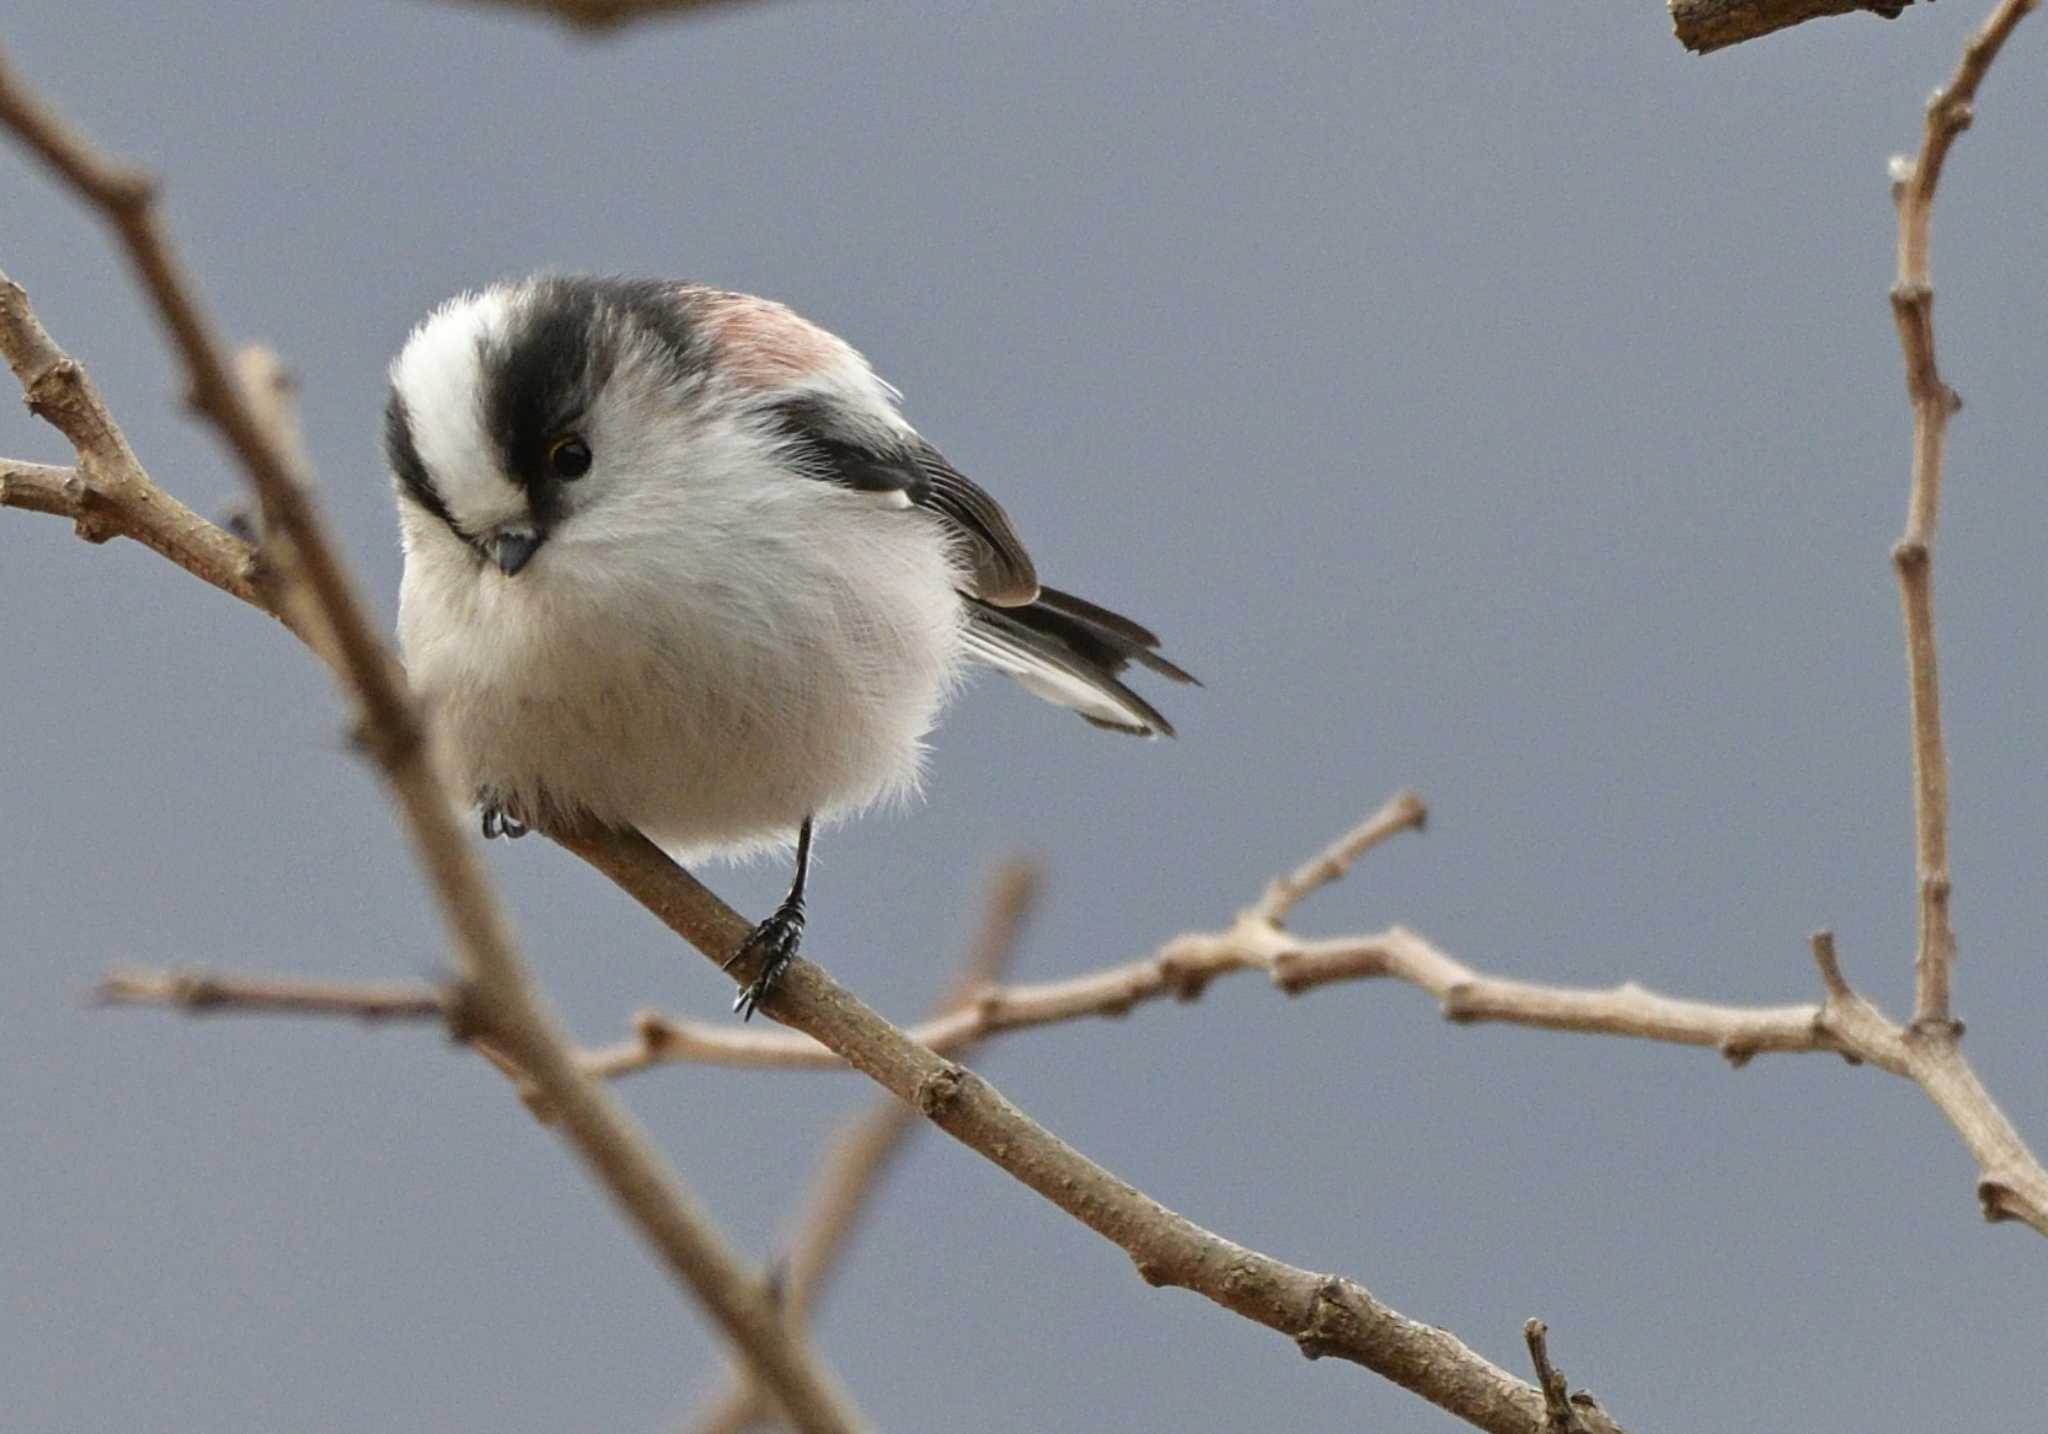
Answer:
(403, 454)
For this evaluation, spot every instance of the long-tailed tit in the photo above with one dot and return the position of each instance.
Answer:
(674, 561)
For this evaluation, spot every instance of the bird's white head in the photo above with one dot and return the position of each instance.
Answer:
(517, 410)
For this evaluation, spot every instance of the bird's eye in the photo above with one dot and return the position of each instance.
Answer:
(569, 457)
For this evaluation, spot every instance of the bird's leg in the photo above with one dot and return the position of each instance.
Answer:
(773, 943)
(498, 821)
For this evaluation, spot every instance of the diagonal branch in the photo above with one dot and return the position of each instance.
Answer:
(1324, 1315)
(498, 1000)
(864, 1150)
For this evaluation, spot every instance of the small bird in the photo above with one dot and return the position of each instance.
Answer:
(674, 561)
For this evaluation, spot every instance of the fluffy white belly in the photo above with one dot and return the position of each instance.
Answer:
(711, 704)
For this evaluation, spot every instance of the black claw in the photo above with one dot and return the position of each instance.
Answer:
(497, 822)
(773, 945)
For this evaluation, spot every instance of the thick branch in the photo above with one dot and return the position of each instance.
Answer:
(499, 1002)
(1703, 26)
(1948, 115)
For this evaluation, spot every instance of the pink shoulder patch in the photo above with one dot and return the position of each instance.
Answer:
(766, 345)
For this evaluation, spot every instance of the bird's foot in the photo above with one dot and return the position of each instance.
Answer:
(768, 948)
(498, 821)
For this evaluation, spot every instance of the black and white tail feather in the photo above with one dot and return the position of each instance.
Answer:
(1070, 651)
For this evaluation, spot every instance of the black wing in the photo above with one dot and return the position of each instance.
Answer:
(1072, 652)
(839, 453)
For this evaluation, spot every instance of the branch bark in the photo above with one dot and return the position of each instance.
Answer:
(862, 1153)
(1324, 1315)
(498, 1001)
(1913, 184)
(1703, 26)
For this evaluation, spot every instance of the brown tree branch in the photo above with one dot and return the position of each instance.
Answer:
(863, 1151)
(2012, 1184)
(1182, 968)
(1913, 184)
(498, 1000)
(1703, 26)
(1324, 1315)
(201, 992)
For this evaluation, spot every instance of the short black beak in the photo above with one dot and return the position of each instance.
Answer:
(513, 551)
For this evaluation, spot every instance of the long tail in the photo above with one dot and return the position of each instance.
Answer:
(1069, 651)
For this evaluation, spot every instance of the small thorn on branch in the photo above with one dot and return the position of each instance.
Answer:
(1830, 964)
(1560, 1412)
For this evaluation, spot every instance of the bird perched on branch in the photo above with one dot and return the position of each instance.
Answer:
(674, 561)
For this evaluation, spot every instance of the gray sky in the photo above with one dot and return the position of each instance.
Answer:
(1505, 407)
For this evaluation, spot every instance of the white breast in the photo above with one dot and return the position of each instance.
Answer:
(710, 670)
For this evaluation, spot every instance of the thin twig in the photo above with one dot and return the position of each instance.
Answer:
(202, 992)
(853, 1167)
(498, 1000)
(1404, 811)
(1948, 115)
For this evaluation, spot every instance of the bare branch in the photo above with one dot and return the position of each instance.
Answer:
(108, 493)
(1703, 26)
(1324, 1315)
(2013, 1185)
(1948, 114)
(1404, 811)
(201, 992)
(498, 1001)
(848, 1177)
